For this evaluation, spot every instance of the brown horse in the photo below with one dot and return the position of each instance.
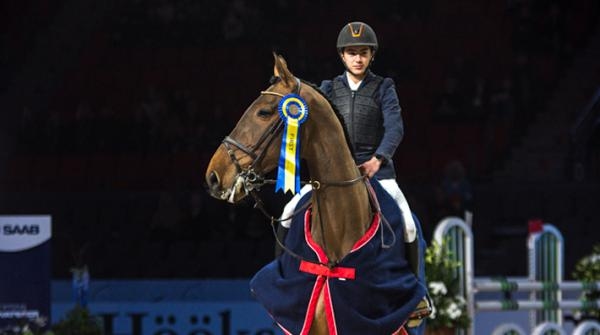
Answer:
(341, 208)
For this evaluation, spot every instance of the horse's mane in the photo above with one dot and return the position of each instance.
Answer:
(335, 110)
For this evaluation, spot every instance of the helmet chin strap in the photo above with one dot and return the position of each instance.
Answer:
(371, 61)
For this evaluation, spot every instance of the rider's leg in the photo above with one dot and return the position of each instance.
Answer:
(415, 251)
(289, 208)
(286, 215)
(410, 228)
(392, 188)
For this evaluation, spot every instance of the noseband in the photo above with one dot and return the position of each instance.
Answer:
(250, 178)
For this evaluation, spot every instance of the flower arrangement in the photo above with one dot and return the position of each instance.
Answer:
(78, 321)
(587, 270)
(27, 326)
(449, 306)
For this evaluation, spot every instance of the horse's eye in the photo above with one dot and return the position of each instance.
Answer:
(264, 113)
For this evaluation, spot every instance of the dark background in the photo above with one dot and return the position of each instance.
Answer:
(110, 111)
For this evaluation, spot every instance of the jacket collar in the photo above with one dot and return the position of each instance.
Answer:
(370, 75)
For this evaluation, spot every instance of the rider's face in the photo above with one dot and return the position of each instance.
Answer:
(357, 59)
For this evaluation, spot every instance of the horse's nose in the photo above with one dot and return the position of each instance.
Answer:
(213, 181)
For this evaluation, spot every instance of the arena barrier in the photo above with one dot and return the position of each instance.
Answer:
(509, 328)
(587, 328)
(545, 282)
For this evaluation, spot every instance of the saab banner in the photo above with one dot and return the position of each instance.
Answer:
(25, 267)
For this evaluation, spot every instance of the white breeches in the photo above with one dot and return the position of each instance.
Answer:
(392, 188)
(289, 208)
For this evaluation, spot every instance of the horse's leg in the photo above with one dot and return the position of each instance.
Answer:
(319, 324)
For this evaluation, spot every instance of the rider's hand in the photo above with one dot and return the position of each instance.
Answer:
(370, 167)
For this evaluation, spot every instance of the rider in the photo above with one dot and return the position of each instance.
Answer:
(372, 117)
(371, 111)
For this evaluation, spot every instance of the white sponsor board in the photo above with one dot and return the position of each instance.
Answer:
(23, 232)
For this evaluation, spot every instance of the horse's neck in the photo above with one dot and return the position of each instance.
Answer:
(341, 214)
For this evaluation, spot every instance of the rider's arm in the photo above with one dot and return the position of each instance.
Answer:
(392, 120)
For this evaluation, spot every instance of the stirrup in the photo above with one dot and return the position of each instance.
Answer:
(423, 310)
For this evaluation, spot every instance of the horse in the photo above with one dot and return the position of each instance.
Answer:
(343, 212)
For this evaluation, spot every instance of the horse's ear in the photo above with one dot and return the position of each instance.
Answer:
(281, 70)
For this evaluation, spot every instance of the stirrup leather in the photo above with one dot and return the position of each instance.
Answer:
(422, 311)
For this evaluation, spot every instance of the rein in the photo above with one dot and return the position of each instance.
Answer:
(316, 185)
(259, 204)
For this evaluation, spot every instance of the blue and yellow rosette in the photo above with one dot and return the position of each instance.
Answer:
(293, 110)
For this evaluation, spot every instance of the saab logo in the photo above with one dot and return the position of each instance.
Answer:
(22, 232)
(16, 229)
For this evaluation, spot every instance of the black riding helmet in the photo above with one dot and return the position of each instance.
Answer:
(357, 33)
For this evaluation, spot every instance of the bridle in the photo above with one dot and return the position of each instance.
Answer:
(247, 177)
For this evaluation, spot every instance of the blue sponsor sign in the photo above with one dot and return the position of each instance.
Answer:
(178, 318)
(25, 264)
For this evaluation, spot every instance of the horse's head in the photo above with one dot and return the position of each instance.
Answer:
(252, 148)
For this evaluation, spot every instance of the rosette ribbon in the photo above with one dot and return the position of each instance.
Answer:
(293, 110)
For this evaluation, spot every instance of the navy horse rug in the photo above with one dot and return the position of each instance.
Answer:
(371, 291)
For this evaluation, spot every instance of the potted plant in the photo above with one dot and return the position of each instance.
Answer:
(587, 270)
(449, 306)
